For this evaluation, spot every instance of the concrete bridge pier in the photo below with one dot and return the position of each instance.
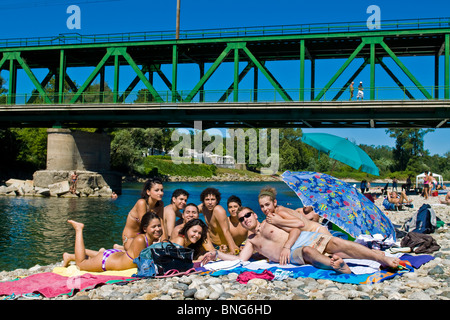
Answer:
(85, 152)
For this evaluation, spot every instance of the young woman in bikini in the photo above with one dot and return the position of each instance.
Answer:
(151, 199)
(193, 235)
(113, 259)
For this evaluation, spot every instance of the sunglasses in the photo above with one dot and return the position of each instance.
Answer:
(247, 215)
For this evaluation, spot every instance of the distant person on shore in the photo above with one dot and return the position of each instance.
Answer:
(446, 200)
(113, 259)
(363, 186)
(173, 210)
(282, 216)
(408, 184)
(309, 248)
(398, 199)
(394, 184)
(216, 219)
(360, 94)
(426, 185)
(193, 235)
(351, 90)
(238, 232)
(151, 199)
(73, 182)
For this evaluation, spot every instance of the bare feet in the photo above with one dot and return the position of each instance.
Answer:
(338, 264)
(390, 262)
(76, 225)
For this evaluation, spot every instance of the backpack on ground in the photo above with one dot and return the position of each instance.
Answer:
(423, 221)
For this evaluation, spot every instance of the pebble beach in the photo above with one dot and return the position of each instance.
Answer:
(429, 282)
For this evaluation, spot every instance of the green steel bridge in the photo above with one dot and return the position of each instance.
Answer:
(251, 50)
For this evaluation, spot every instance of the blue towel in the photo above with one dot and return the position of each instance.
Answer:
(308, 271)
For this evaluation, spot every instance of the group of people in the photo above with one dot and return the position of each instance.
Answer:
(284, 236)
(429, 183)
(360, 94)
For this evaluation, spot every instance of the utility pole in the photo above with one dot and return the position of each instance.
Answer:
(177, 36)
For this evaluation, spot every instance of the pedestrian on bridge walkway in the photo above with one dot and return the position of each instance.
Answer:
(360, 91)
(351, 90)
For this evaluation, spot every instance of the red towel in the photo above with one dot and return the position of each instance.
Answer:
(50, 284)
(248, 275)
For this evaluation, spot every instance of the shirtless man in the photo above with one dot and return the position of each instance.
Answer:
(190, 212)
(216, 219)
(310, 247)
(280, 216)
(393, 197)
(238, 232)
(173, 210)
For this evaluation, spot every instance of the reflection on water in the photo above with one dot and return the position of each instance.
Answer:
(35, 230)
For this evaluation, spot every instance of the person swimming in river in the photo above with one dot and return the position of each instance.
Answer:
(113, 259)
(151, 199)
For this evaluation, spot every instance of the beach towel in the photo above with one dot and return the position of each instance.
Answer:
(363, 271)
(73, 270)
(51, 285)
(246, 276)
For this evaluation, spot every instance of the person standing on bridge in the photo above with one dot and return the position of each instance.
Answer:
(351, 90)
(360, 91)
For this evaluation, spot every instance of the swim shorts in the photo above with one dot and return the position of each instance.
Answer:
(314, 240)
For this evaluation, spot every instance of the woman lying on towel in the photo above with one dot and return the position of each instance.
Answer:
(113, 259)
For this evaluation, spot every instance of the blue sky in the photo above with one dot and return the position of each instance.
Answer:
(31, 18)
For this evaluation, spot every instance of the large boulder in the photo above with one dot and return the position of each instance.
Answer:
(57, 183)
(59, 188)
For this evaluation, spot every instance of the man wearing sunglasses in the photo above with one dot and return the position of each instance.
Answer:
(308, 248)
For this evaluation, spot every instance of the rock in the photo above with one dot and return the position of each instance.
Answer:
(201, 294)
(419, 295)
(437, 270)
(59, 188)
(336, 296)
(189, 293)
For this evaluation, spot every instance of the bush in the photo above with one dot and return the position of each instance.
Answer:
(163, 165)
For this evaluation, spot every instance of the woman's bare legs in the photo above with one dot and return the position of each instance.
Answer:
(84, 261)
(67, 257)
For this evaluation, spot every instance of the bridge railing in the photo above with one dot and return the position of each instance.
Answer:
(217, 96)
(76, 38)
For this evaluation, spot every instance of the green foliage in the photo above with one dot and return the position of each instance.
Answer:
(32, 146)
(155, 165)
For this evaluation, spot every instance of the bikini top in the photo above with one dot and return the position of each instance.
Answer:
(146, 242)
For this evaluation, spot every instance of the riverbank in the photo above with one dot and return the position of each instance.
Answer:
(430, 282)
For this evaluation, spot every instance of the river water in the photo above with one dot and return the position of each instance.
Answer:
(35, 230)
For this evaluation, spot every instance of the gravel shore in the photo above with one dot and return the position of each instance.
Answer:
(430, 282)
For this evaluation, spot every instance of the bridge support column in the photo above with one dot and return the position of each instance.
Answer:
(81, 151)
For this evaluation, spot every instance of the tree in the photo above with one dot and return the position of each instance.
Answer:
(409, 144)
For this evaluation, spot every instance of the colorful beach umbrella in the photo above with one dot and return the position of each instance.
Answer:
(340, 203)
(342, 150)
